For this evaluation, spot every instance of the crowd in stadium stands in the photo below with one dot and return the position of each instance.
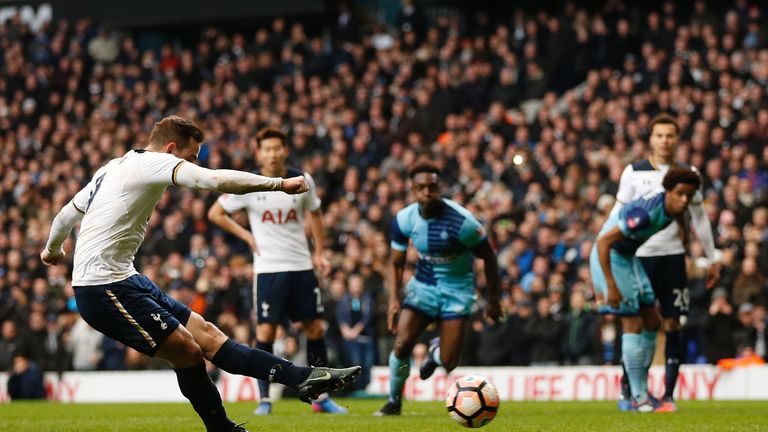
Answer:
(531, 117)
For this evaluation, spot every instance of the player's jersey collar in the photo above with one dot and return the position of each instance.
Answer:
(437, 215)
(657, 166)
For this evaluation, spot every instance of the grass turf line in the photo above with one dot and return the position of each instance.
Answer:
(293, 416)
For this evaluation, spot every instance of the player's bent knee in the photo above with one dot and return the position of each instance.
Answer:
(181, 349)
(190, 351)
(265, 333)
(212, 332)
(402, 349)
(205, 334)
(314, 329)
(193, 353)
(213, 340)
(671, 324)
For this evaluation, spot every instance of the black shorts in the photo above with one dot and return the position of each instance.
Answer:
(133, 311)
(293, 295)
(670, 283)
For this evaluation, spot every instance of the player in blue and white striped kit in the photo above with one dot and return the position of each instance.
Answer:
(447, 238)
(620, 278)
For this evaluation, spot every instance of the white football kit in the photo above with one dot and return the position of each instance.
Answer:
(118, 202)
(277, 225)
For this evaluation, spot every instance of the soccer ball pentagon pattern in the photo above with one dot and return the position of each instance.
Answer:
(472, 401)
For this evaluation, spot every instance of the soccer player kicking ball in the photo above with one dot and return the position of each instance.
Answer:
(447, 238)
(663, 255)
(620, 279)
(284, 283)
(116, 300)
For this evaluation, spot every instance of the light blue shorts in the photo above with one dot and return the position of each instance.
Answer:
(439, 303)
(631, 279)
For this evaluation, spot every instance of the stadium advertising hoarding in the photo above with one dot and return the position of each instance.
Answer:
(697, 382)
(578, 383)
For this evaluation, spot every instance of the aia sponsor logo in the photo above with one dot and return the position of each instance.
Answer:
(278, 217)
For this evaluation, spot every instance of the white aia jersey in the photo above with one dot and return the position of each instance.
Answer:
(117, 204)
(639, 179)
(277, 224)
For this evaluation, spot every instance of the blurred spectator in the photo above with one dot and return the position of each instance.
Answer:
(749, 283)
(287, 346)
(411, 19)
(579, 332)
(34, 340)
(495, 342)
(544, 334)
(333, 338)
(9, 343)
(759, 336)
(85, 345)
(355, 319)
(56, 357)
(720, 328)
(610, 340)
(346, 24)
(743, 337)
(25, 380)
(104, 47)
(521, 347)
(112, 355)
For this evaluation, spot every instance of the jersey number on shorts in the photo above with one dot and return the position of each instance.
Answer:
(318, 300)
(682, 298)
(95, 189)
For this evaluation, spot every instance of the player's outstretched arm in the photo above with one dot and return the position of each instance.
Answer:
(603, 245)
(60, 228)
(235, 182)
(485, 252)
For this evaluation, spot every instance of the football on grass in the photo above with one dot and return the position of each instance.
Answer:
(472, 401)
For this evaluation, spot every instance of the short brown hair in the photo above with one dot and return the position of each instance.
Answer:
(665, 118)
(175, 129)
(679, 175)
(423, 166)
(270, 132)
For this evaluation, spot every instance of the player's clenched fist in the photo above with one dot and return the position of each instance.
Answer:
(295, 185)
(51, 258)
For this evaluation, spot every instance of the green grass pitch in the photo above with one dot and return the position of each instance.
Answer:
(293, 416)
